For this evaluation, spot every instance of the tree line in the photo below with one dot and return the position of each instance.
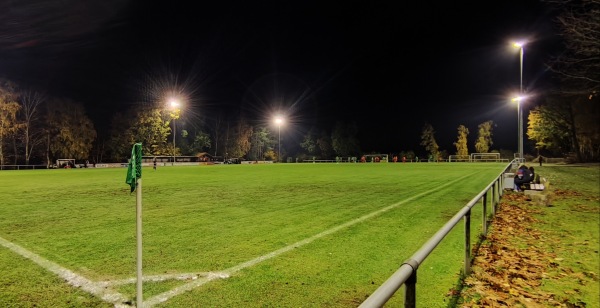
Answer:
(35, 128)
(38, 129)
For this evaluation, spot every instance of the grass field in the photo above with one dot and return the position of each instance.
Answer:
(283, 235)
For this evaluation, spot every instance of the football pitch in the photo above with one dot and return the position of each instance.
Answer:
(272, 235)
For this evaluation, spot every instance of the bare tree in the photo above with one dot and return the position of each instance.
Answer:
(32, 127)
(579, 65)
(216, 132)
(578, 69)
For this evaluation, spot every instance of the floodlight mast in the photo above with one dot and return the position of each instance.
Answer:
(279, 122)
(518, 100)
(174, 105)
(521, 46)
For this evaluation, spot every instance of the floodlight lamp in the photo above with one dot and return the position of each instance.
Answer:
(519, 44)
(519, 98)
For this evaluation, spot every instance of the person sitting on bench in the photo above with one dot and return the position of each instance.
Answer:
(523, 177)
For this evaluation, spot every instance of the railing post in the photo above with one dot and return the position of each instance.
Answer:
(484, 213)
(493, 207)
(498, 195)
(410, 291)
(467, 219)
(501, 188)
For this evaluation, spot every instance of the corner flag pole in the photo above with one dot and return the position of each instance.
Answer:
(140, 278)
(134, 180)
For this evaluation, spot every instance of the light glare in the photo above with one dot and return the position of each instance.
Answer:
(519, 98)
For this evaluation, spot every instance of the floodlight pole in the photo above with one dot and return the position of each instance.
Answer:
(174, 135)
(520, 110)
(279, 121)
(174, 105)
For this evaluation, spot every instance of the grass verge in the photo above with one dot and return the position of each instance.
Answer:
(542, 254)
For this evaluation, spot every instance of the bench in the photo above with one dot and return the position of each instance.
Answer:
(539, 193)
(509, 183)
(534, 186)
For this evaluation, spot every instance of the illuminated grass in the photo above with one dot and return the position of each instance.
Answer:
(214, 218)
(572, 233)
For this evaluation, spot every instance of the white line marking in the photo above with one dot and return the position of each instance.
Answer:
(103, 292)
(160, 298)
(155, 278)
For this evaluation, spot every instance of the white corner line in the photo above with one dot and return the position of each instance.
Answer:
(99, 290)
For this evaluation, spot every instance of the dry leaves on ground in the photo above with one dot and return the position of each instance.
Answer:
(510, 265)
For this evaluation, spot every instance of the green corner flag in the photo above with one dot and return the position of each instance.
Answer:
(134, 168)
(134, 179)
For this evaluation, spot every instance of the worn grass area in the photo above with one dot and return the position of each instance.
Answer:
(288, 235)
(543, 254)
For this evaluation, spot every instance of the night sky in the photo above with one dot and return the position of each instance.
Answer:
(390, 66)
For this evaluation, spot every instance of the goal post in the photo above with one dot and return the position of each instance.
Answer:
(65, 163)
(485, 157)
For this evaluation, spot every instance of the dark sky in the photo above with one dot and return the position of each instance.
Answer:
(390, 66)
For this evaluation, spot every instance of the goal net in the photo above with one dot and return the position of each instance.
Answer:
(65, 163)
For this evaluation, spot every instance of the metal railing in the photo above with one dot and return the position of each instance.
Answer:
(407, 273)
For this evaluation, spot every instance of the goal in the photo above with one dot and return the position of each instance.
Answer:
(65, 163)
(485, 157)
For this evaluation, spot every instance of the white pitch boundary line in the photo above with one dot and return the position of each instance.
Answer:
(100, 289)
(160, 298)
(103, 291)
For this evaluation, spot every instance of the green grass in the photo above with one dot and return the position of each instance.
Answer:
(572, 232)
(214, 218)
(552, 243)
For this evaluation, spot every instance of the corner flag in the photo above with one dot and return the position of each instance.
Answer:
(134, 168)
(134, 179)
